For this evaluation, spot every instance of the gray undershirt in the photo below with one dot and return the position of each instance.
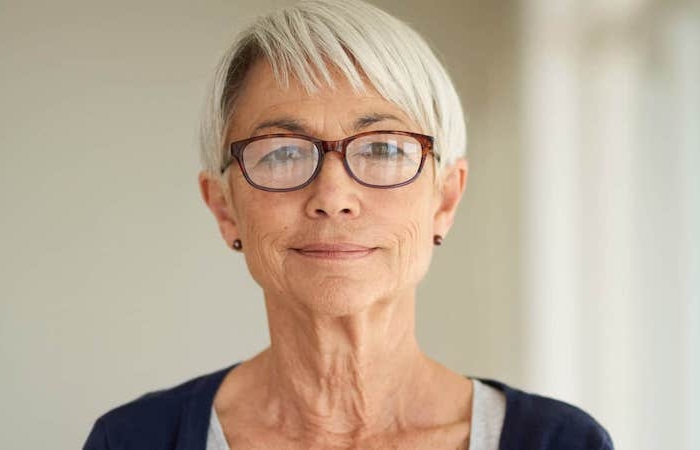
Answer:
(488, 412)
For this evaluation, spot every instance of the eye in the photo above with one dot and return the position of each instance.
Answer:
(382, 150)
(286, 153)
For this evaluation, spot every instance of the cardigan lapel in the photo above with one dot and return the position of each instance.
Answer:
(197, 412)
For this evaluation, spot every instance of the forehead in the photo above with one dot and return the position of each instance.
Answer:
(263, 99)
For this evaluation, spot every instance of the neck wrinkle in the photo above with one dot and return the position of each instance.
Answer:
(343, 377)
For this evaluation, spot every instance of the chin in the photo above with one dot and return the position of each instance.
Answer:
(339, 299)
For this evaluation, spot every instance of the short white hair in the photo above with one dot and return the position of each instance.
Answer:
(361, 41)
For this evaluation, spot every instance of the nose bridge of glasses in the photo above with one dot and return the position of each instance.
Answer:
(332, 146)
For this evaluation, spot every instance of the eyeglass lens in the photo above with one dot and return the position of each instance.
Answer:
(381, 159)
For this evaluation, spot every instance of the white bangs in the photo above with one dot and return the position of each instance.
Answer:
(313, 38)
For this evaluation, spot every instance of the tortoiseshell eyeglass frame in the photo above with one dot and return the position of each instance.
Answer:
(236, 149)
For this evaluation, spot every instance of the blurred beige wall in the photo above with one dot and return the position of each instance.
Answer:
(113, 278)
(611, 212)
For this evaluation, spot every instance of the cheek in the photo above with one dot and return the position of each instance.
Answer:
(263, 231)
(411, 228)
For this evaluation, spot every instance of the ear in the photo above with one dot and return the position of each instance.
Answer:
(220, 205)
(450, 193)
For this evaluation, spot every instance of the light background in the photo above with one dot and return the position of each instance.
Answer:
(572, 269)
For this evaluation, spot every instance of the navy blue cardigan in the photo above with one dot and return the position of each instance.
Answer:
(178, 419)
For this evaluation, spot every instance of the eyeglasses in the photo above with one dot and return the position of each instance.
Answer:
(286, 162)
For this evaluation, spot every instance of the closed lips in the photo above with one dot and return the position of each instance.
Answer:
(335, 250)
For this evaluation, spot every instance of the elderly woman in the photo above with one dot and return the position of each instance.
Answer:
(333, 151)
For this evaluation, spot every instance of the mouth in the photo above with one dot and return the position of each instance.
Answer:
(334, 251)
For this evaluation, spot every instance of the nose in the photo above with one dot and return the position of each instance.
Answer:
(333, 194)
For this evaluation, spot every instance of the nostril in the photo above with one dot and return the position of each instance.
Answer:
(321, 212)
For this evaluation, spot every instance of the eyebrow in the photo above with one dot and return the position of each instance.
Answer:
(297, 126)
(369, 119)
(285, 123)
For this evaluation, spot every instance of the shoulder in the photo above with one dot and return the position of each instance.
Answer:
(158, 420)
(536, 422)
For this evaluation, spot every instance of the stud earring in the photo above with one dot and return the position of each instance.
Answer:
(437, 239)
(237, 245)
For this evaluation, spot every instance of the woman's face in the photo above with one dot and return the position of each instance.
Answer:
(334, 246)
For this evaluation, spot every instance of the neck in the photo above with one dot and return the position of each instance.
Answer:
(343, 376)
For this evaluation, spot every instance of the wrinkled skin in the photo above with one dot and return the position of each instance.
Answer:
(339, 264)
